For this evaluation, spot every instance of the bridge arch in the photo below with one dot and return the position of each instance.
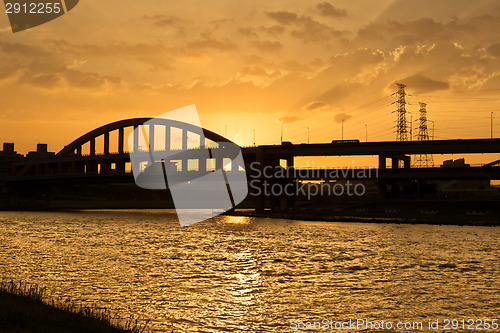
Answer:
(75, 147)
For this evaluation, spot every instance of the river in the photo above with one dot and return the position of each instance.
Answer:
(240, 274)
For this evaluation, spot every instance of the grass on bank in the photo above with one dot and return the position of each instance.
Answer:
(27, 308)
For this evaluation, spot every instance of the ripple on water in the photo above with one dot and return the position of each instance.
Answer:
(253, 274)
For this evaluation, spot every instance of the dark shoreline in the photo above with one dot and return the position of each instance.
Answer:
(432, 212)
(358, 219)
(470, 213)
(26, 308)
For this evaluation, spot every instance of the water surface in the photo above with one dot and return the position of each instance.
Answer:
(253, 274)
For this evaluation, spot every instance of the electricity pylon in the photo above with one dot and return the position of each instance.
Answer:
(401, 126)
(423, 160)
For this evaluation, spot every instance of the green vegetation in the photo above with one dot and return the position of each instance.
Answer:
(26, 308)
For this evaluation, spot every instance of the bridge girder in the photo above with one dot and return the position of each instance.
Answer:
(120, 125)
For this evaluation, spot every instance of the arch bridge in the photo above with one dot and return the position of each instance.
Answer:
(104, 151)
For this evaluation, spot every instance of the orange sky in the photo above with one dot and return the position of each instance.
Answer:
(253, 65)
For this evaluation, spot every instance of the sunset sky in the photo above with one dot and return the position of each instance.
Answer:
(254, 65)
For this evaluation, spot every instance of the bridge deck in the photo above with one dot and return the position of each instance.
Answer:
(469, 146)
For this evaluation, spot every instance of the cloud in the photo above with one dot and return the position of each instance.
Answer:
(43, 68)
(326, 9)
(494, 50)
(207, 43)
(394, 33)
(252, 32)
(9, 74)
(163, 20)
(43, 80)
(294, 66)
(273, 30)
(267, 46)
(288, 119)
(158, 56)
(284, 17)
(492, 84)
(341, 116)
(89, 80)
(20, 49)
(313, 31)
(259, 71)
(248, 32)
(315, 105)
(442, 10)
(305, 28)
(67, 78)
(423, 84)
(340, 92)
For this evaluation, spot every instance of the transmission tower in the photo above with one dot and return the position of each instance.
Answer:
(423, 160)
(401, 126)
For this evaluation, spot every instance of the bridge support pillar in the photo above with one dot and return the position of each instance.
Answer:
(151, 137)
(91, 167)
(92, 146)
(105, 166)
(202, 165)
(80, 167)
(136, 139)
(121, 134)
(274, 199)
(184, 139)
(395, 162)
(257, 188)
(14, 201)
(260, 201)
(382, 163)
(382, 189)
(407, 162)
(106, 143)
(120, 166)
(219, 163)
(289, 200)
(167, 138)
(49, 198)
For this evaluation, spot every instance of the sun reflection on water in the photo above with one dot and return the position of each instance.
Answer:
(236, 220)
(244, 293)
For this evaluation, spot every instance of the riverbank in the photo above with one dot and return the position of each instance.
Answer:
(474, 213)
(25, 308)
